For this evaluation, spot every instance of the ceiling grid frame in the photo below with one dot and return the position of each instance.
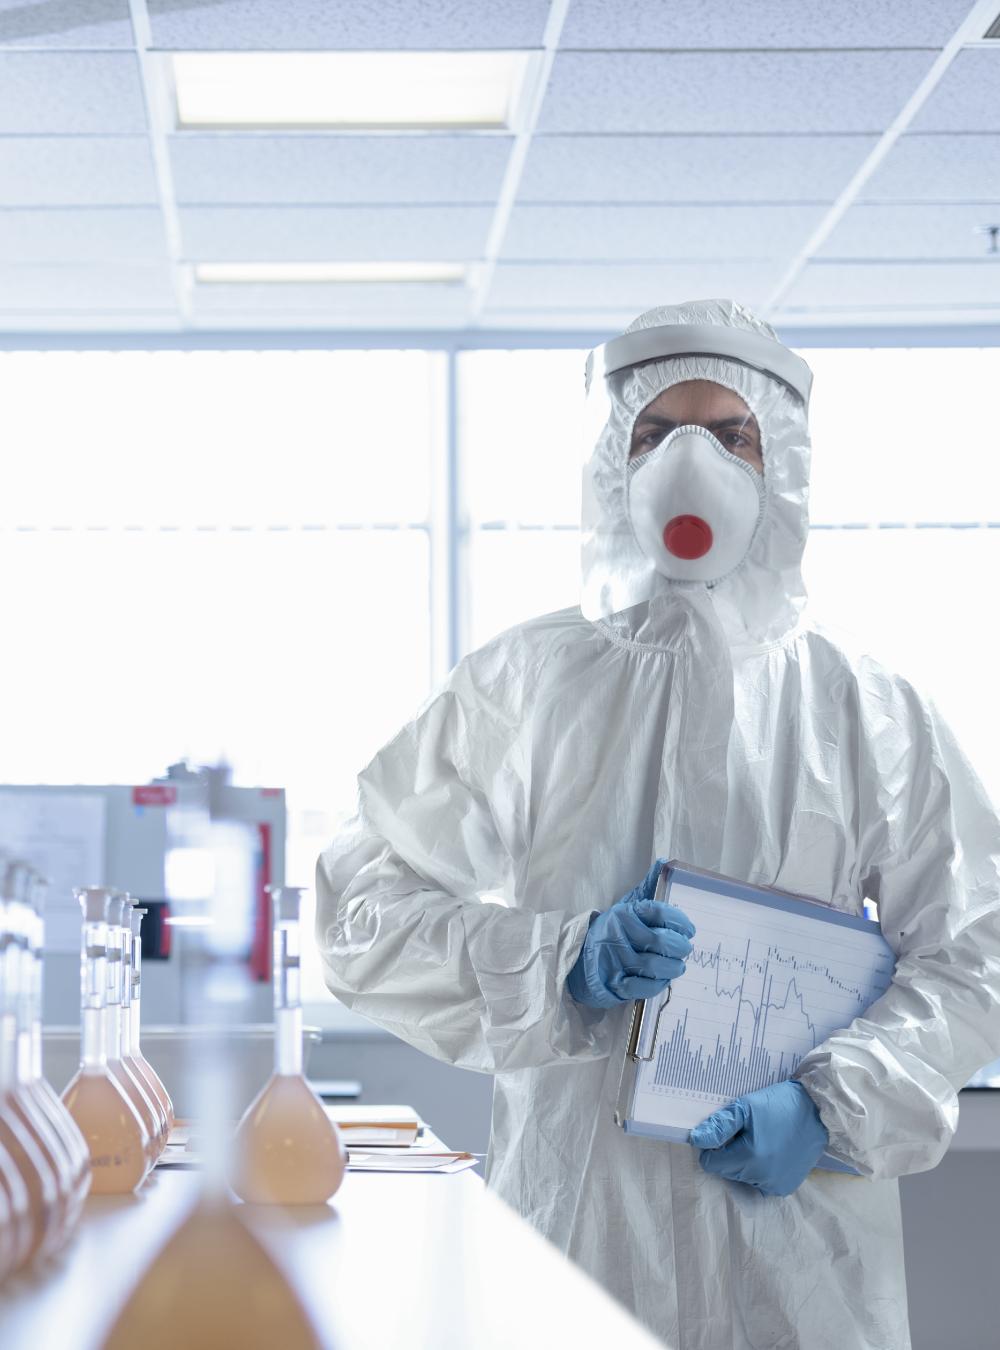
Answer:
(975, 23)
(558, 11)
(158, 115)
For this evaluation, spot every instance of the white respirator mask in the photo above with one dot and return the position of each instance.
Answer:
(694, 507)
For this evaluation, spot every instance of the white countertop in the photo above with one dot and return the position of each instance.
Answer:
(421, 1262)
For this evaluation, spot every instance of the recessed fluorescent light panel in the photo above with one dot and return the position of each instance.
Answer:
(295, 274)
(349, 90)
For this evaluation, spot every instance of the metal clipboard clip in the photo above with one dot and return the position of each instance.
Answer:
(635, 1029)
(639, 1008)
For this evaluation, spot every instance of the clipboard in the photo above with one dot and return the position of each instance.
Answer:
(765, 950)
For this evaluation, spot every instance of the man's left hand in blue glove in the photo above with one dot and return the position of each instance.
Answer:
(771, 1139)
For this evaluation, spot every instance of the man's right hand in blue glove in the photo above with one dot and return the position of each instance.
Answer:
(632, 950)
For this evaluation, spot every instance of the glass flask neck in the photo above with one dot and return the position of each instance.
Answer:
(135, 975)
(113, 994)
(124, 1016)
(37, 939)
(19, 919)
(93, 981)
(287, 985)
(288, 1041)
(132, 1042)
(9, 958)
(126, 981)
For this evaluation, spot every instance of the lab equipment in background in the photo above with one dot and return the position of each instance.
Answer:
(220, 1285)
(113, 1129)
(114, 993)
(120, 836)
(287, 1149)
(37, 1186)
(131, 1015)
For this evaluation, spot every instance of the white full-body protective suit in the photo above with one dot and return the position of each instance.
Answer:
(715, 725)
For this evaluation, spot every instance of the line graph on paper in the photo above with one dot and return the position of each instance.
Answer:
(762, 988)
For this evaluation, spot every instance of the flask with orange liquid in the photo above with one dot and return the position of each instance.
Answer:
(116, 1137)
(136, 1059)
(287, 1149)
(118, 1066)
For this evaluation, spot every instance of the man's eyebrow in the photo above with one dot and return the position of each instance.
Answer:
(656, 420)
(749, 421)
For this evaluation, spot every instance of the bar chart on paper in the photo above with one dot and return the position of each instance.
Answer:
(768, 979)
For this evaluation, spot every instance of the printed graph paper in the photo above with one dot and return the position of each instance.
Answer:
(764, 985)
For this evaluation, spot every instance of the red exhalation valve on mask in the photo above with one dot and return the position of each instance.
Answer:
(687, 537)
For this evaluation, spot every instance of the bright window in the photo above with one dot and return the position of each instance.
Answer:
(519, 469)
(246, 553)
(216, 554)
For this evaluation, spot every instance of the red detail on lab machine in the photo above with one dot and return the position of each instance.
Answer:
(260, 949)
(154, 794)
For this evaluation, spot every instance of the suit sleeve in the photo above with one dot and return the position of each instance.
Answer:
(405, 934)
(887, 1087)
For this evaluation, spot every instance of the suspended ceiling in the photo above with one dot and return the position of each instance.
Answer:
(829, 164)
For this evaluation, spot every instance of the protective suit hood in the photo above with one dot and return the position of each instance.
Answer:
(761, 601)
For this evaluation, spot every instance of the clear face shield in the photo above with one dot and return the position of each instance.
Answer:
(676, 486)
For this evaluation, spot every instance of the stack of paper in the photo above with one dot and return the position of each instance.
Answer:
(408, 1160)
(376, 1126)
(378, 1139)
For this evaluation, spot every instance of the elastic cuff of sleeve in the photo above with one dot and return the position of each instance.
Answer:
(580, 973)
(839, 1145)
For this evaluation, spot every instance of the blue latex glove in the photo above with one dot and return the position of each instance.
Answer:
(632, 950)
(771, 1139)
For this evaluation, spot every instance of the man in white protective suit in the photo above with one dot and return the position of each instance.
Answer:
(686, 710)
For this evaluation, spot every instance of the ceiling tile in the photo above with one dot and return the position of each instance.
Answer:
(220, 168)
(659, 232)
(931, 231)
(70, 92)
(94, 234)
(938, 168)
(65, 24)
(968, 97)
(76, 171)
(330, 234)
(731, 91)
(765, 23)
(310, 25)
(634, 286)
(795, 325)
(595, 323)
(690, 168)
(44, 289)
(910, 284)
(340, 304)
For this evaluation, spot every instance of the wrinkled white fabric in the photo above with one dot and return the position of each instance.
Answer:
(716, 726)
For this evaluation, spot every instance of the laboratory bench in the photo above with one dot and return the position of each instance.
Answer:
(415, 1261)
(949, 1214)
